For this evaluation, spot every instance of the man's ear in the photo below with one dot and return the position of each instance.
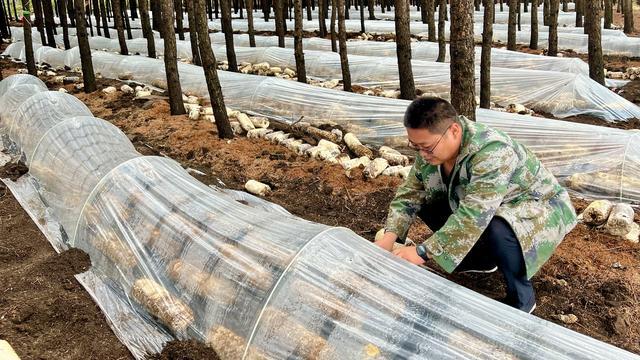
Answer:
(456, 129)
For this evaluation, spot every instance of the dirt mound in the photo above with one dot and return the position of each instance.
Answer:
(185, 350)
(13, 170)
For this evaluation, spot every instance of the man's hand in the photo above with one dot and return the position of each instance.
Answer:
(387, 241)
(410, 254)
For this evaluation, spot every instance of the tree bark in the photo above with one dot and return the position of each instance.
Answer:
(362, 29)
(117, 18)
(596, 63)
(513, 13)
(579, 13)
(193, 32)
(4, 28)
(308, 6)
(342, 35)
(37, 8)
(628, 16)
(403, 49)
(156, 13)
(28, 42)
(125, 17)
(334, 46)
(72, 12)
(63, 22)
(96, 15)
(179, 17)
(322, 25)
(49, 23)
(171, 60)
(252, 36)
(227, 29)
(533, 44)
(431, 22)
(608, 14)
(210, 73)
(485, 58)
(105, 23)
(88, 76)
(462, 58)
(442, 45)
(146, 28)
(565, 5)
(371, 6)
(297, 39)
(545, 12)
(133, 6)
(553, 28)
(279, 7)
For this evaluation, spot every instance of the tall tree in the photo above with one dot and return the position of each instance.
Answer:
(608, 14)
(513, 13)
(193, 32)
(297, 42)
(171, 59)
(334, 46)
(628, 16)
(105, 22)
(252, 35)
(322, 24)
(133, 6)
(156, 15)
(485, 57)
(4, 26)
(88, 77)
(71, 12)
(462, 58)
(533, 44)
(210, 73)
(96, 15)
(125, 17)
(553, 28)
(179, 17)
(117, 19)
(403, 50)
(545, 12)
(442, 45)
(37, 9)
(371, 7)
(342, 38)
(63, 22)
(431, 22)
(596, 63)
(279, 6)
(579, 12)
(146, 28)
(227, 29)
(28, 42)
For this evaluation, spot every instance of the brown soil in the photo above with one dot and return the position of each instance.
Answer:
(601, 271)
(185, 350)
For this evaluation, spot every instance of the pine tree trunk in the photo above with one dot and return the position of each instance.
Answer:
(279, 21)
(513, 14)
(146, 28)
(37, 8)
(628, 16)
(65, 27)
(596, 63)
(519, 16)
(117, 18)
(156, 12)
(252, 36)
(308, 6)
(431, 22)
(297, 40)
(105, 23)
(179, 17)
(371, 6)
(133, 6)
(545, 12)
(125, 17)
(362, 29)
(342, 36)
(210, 73)
(608, 14)
(579, 12)
(442, 45)
(485, 58)
(88, 76)
(553, 27)
(193, 32)
(49, 23)
(28, 42)
(533, 44)
(227, 29)
(423, 11)
(322, 26)
(334, 45)
(4, 28)
(72, 12)
(403, 49)
(96, 15)
(171, 60)
(462, 58)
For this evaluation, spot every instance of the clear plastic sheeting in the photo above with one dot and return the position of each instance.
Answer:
(172, 257)
(376, 120)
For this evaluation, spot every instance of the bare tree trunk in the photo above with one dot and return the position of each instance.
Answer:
(133, 6)
(227, 29)
(72, 12)
(308, 6)
(297, 39)
(279, 7)
(403, 48)
(117, 19)
(442, 45)
(511, 35)
(596, 63)
(371, 6)
(485, 58)
(565, 5)
(105, 23)
(146, 28)
(462, 58)
(579, 12)
(4, 28)
(545, 12)
(210, 73)
(431, 22)
(37, 8)
(88, 77)
(525, 6)
(553, 28)
(193, 32)
(322, 25)
(628, 16)
(49, 23)
(252, 36)
(334, 46)
(125, 17)
(519, 16)
(342, 35)
(533, 44)
(608, 14)
(28, 42)
(156, 12)
(171, 60)
(423, 11)
(63, 22)
(362, 29)
(96, 15)
(179, 17)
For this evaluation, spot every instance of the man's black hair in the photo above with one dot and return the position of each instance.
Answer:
(431, 113)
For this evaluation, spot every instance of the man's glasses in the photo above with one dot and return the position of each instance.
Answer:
(431, 149)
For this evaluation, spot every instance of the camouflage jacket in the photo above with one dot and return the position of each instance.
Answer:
(497, 176)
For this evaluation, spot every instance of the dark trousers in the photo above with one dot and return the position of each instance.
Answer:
(497, 246)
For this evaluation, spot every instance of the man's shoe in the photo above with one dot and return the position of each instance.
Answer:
(480, 271)
(532, 308)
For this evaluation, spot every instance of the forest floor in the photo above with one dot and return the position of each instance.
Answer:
(44, 313)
